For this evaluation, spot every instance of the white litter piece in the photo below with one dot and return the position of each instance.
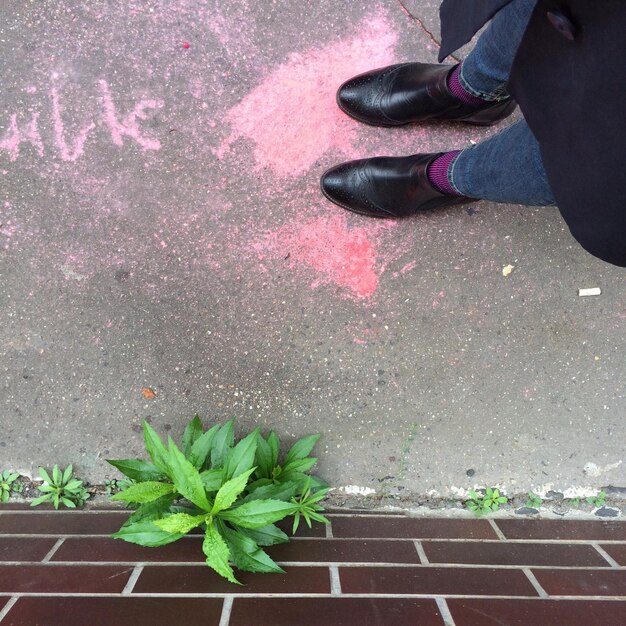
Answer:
(593, 291)
(507, 269)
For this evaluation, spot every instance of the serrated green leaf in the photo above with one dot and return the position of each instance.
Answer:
(179, 522)
(281, 491)
(68, 503)
(263, 458)
(296, 522)
(230, 491)
(56, 475)
(152, 510)
(144, 492)
(259, 513)
(73, 484)
(267, 535)
(41, 499)
(212, 479)
(145, 533)
(192, 431)
(4, 497)
(261, 482)
(138, 469)
(67, 474)
(223, 441)
(246, 554)
(45, 488)
(317, 496)
(156, 449)
(301, 448)
(201, 447)
(241, 458)
(299, 465)
(45, 475)
(186, 477)
(217, 554)
(274, 443)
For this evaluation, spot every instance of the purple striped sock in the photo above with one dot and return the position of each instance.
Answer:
(437, 173)
(456, 89)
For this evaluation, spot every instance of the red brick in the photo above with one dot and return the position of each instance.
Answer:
(202, 579)
(42, 578)
(563, 529)
(504, 553)
(411, 528)
(107, 549)
(334, 612)
(95, 611)
(518, 612)
(24, 549)
(582, 582)
(346, 550)
(435, 580)
(62, 522)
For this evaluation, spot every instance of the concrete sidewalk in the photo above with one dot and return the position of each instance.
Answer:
(161, 227)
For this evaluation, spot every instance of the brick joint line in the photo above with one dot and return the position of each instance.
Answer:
(52, 550)
(335, 581)
(442, 605)
(132, 581)
(497, 530)
(227, 608)
(420, 551)
(605, 555)
(7, 607)
(535, 583)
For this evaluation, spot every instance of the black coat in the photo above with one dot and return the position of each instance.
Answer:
(569, 78)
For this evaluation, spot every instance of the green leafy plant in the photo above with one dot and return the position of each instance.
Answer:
(483, 504)
(235, 493)
(7, 485)
(575, 502)
(534, 501)
(598, 500)
(61, 488)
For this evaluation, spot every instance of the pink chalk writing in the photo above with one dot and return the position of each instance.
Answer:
(71, 148)
(78, 145)
(16, 136)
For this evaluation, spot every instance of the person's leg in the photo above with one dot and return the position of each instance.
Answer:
(505, 168)
(485, 71)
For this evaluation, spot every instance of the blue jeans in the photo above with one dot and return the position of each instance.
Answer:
(507, 167)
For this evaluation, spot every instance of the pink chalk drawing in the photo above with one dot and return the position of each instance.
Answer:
(343, 256)
(78, 146)
(129, 127)
(16, 136)
(292, 117)
(120, 126)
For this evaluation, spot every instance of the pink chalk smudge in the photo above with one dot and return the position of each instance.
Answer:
(129, 127)
(292, 117)
(16, 136)
(343, 256)
(78, 145)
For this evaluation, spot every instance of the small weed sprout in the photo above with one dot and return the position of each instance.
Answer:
(61, 488)
(534, 501)
(7, 485)
(483, 504)
(598, 500)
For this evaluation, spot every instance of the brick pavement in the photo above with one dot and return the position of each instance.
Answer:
(366, 568)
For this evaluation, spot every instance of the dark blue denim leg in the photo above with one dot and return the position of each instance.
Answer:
(505, 168)
(485, 71)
